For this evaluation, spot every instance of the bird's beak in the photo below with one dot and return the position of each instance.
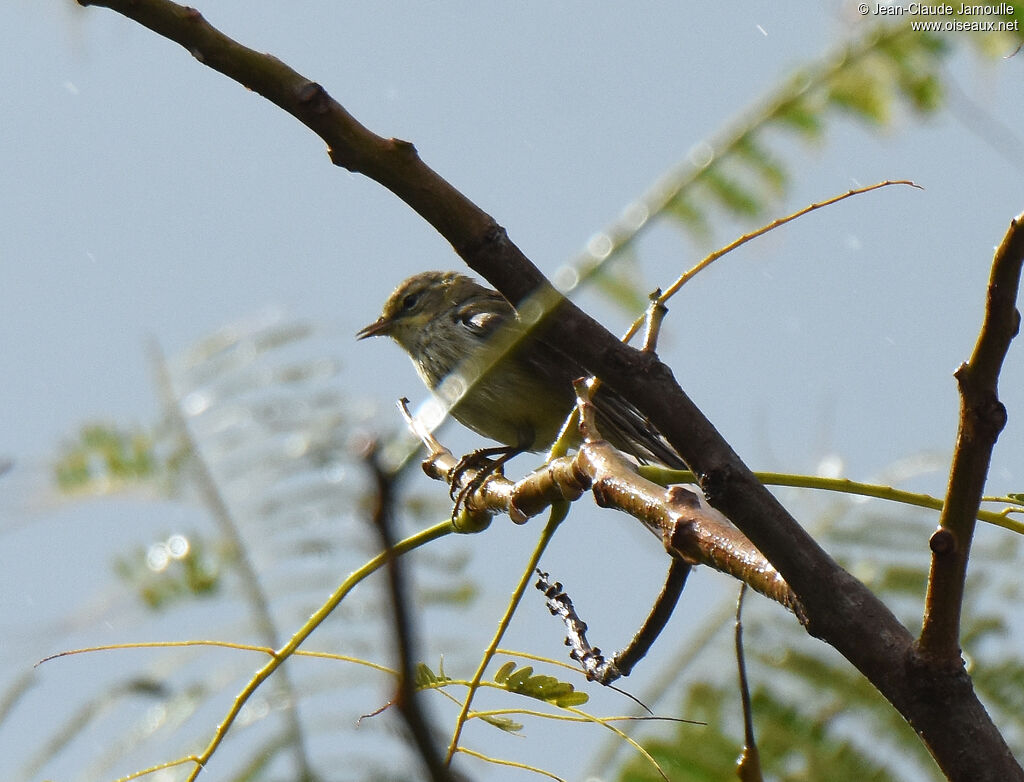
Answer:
(380, 326)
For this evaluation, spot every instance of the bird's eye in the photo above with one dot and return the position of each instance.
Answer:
(410, 301)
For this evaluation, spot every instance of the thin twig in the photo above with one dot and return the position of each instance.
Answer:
(641, 214)
(749, 764)
(673, 289)
(661, 611)
(315, 620)
(556, 517)
(404, 633)
(999, 518)
(692, 272)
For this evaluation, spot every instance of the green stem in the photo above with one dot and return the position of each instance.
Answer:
(559, 511)
(666, 477)
(402, 547)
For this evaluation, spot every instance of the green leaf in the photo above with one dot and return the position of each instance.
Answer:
(802, 113)
(690, 216)
(503, 723)
(862, 95)
(734, 196)
(540, 686)
(503, 672)
(170, 571)
(572, 699)
(105, 457)
(761, 161)
(425, 677)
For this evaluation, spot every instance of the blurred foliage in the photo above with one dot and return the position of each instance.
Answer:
(886, 71)
(796, 744)
(815, 716)
(104, 458)
(172, 570)
(253, 444)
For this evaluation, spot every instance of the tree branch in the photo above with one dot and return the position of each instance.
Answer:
(982, 418)
(406, 697)
(941, 705)
(688, 531)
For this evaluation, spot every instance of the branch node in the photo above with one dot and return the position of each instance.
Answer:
(993, 414)
(601, 498)
(681, 496)
(314, 96)
(404, 148)
(489, 242)
(942, 541)
(715, 483)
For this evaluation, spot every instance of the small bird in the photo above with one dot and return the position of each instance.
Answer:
(500, 379)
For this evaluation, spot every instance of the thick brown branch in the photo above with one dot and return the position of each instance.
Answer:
(686, 529)
(982, 418)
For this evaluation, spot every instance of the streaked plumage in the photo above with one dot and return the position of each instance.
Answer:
(460, 334)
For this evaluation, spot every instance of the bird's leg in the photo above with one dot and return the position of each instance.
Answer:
(479, 460)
